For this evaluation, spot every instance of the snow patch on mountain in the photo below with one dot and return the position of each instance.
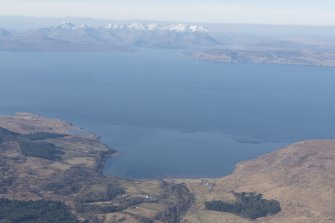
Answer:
(180, 28)
(157, 27)
(68, 26)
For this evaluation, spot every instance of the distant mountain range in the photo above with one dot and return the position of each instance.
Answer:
(196, 40)
(68, 36)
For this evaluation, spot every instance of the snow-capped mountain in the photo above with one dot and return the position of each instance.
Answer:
(68, 26)
(72, 33)
(113, 35)
(157, 27)
(160, 35)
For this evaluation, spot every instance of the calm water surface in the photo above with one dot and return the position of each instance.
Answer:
(169, 115)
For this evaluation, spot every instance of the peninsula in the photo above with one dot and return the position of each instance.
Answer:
(51, 171)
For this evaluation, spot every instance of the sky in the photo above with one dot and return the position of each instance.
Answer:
(291, 12)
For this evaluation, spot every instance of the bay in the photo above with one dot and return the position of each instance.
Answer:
(169, 115)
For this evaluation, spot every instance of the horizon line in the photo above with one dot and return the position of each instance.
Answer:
(170, 21)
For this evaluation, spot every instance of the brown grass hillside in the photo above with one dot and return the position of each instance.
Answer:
(301, 177)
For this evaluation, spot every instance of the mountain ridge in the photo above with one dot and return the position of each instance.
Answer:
(300, 176)
(68, 36)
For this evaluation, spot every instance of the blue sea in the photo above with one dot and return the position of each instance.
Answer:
(169, 115)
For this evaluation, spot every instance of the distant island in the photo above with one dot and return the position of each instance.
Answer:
(51, 171)
(198, 41)
(269, 56)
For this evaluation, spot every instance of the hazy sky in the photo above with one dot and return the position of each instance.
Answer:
(305, 12)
